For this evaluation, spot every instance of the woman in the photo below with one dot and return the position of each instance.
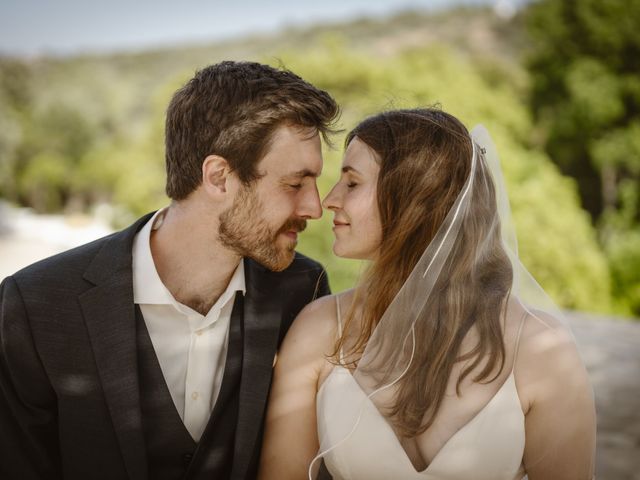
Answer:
(447, 361)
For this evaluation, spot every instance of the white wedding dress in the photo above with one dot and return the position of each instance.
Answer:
(489, 447)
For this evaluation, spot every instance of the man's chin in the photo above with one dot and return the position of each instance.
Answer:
(284, 262)
(276, 264)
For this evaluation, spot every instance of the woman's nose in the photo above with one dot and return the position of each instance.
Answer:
(331, 201)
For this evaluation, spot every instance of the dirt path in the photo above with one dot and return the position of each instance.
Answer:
(611, 351)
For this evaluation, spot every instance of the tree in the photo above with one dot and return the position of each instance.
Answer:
(585, 66)
(15, 105)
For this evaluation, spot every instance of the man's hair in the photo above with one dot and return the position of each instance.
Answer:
(232, 109)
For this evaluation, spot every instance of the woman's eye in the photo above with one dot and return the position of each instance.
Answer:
(351, 184)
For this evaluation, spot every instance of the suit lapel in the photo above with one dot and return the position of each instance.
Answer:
(262, 318)
(109, 314)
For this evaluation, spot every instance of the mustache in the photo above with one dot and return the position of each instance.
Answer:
(295, 224)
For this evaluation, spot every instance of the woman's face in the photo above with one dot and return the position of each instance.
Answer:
(356, 219)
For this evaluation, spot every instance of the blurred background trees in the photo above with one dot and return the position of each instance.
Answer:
(585, 98)
(562, 103)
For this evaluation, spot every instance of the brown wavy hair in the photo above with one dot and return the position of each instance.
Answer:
(425, 160)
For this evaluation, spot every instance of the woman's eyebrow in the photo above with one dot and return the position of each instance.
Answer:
(347, 169)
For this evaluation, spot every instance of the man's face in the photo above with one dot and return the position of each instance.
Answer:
(265, 218)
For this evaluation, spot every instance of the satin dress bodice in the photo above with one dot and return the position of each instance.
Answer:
(488, 447)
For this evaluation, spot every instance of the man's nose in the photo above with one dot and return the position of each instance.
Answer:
(310, 206)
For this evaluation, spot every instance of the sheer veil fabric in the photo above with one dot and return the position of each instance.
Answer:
(422, 310)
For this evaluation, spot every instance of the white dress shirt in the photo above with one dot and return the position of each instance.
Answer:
(191, 348)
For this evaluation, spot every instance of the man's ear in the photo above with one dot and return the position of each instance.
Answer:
(215, 174)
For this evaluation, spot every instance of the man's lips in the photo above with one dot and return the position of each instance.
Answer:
(293, 227)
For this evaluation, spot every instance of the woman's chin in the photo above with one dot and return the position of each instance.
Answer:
(338, 251)
(342, 252)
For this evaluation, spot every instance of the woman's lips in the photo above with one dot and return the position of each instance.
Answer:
(339, 224)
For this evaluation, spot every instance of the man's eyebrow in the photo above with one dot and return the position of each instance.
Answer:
(304, 173)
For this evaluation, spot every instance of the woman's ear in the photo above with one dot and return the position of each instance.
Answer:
(215, 175)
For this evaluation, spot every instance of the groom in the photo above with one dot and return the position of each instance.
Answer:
(148, 354)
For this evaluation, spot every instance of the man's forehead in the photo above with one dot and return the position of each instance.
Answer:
(289, 132)
(293, 152)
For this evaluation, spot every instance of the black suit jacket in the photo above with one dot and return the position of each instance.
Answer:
(69, 392)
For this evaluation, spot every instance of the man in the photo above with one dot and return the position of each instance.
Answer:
(148, 354)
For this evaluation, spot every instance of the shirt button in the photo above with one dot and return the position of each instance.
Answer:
(199, 333)
(195, 395)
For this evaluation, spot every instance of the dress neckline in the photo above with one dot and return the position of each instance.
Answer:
(368, 402)
(509, 380)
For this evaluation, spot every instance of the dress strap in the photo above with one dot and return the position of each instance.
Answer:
(515, 354)
(339, 326)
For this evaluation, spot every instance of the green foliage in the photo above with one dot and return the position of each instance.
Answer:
(585, 68)
(619, 148)
(43, 181)
(88, 130)
(47, 156)
(550, 224)
(624, 257)
(15, 96)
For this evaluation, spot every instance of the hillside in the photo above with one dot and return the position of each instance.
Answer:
(130, 79)
(88, 130)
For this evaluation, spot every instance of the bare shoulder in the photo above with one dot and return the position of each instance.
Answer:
(557, 399)
(316, 318)
(320, 316)
(314, 330)
(312, 337)
(548, 359)
(545, 337)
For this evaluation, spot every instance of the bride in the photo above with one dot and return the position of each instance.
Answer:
(447, 360)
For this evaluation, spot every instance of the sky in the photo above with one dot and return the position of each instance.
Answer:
(66, 27)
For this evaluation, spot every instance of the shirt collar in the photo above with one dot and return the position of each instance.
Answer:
(147, 285)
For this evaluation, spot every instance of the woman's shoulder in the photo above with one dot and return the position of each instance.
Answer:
(536, 333)
(548, 357)
(545, 336)
(311, 340)
(316, 326)
(322, 313)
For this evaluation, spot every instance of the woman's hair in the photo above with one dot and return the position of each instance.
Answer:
(425, 158)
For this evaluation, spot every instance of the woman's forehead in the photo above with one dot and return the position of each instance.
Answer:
(360, 157)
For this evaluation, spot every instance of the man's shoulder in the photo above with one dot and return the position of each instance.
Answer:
(304, 272)
(302, 263)
(65, 263)
(73, 263)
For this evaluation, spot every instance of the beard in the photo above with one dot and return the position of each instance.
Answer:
(244, 230)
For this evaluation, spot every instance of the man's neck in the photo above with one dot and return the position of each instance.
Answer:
(189, 258)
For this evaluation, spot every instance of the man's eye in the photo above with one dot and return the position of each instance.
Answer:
(296, 186)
